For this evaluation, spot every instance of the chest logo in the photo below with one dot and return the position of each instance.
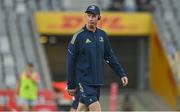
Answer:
(101, 39)
(88, 41)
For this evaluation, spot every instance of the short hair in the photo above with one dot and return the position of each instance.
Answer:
(30, 64)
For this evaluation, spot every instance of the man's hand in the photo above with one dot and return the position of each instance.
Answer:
(71, 92)
(124, 80)
(33, 79)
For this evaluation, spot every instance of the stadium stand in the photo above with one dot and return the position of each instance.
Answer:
(20, 42)
(167, 20)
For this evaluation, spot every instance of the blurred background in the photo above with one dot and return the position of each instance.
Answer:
(144, 35)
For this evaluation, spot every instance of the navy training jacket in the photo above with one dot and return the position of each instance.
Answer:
(86, 54)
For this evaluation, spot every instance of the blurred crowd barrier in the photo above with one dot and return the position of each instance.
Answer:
(9, 101)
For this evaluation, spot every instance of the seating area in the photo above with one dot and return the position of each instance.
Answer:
(19, 43)
(167, 18)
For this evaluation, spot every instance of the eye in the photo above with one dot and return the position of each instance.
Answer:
(94, 16)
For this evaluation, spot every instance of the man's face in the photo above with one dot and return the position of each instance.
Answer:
(29, 69)
(91, 19)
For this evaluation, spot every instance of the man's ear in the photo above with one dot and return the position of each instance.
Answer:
(99, 17)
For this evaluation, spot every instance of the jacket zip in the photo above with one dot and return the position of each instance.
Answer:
(96, 67)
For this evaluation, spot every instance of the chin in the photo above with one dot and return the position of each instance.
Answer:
(91, 25)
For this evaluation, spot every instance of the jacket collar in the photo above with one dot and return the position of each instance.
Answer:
(85, 28)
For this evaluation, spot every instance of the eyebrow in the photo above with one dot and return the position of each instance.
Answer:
(92, 15)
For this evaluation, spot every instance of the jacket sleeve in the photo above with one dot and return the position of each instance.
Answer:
(111, 59)
(71, 59)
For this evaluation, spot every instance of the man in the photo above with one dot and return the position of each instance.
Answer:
(87, 51)
(28, 88)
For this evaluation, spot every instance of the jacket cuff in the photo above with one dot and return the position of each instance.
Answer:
(122, 73)
(71, 86)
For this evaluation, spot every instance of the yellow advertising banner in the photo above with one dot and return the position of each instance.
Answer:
(114, 23)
